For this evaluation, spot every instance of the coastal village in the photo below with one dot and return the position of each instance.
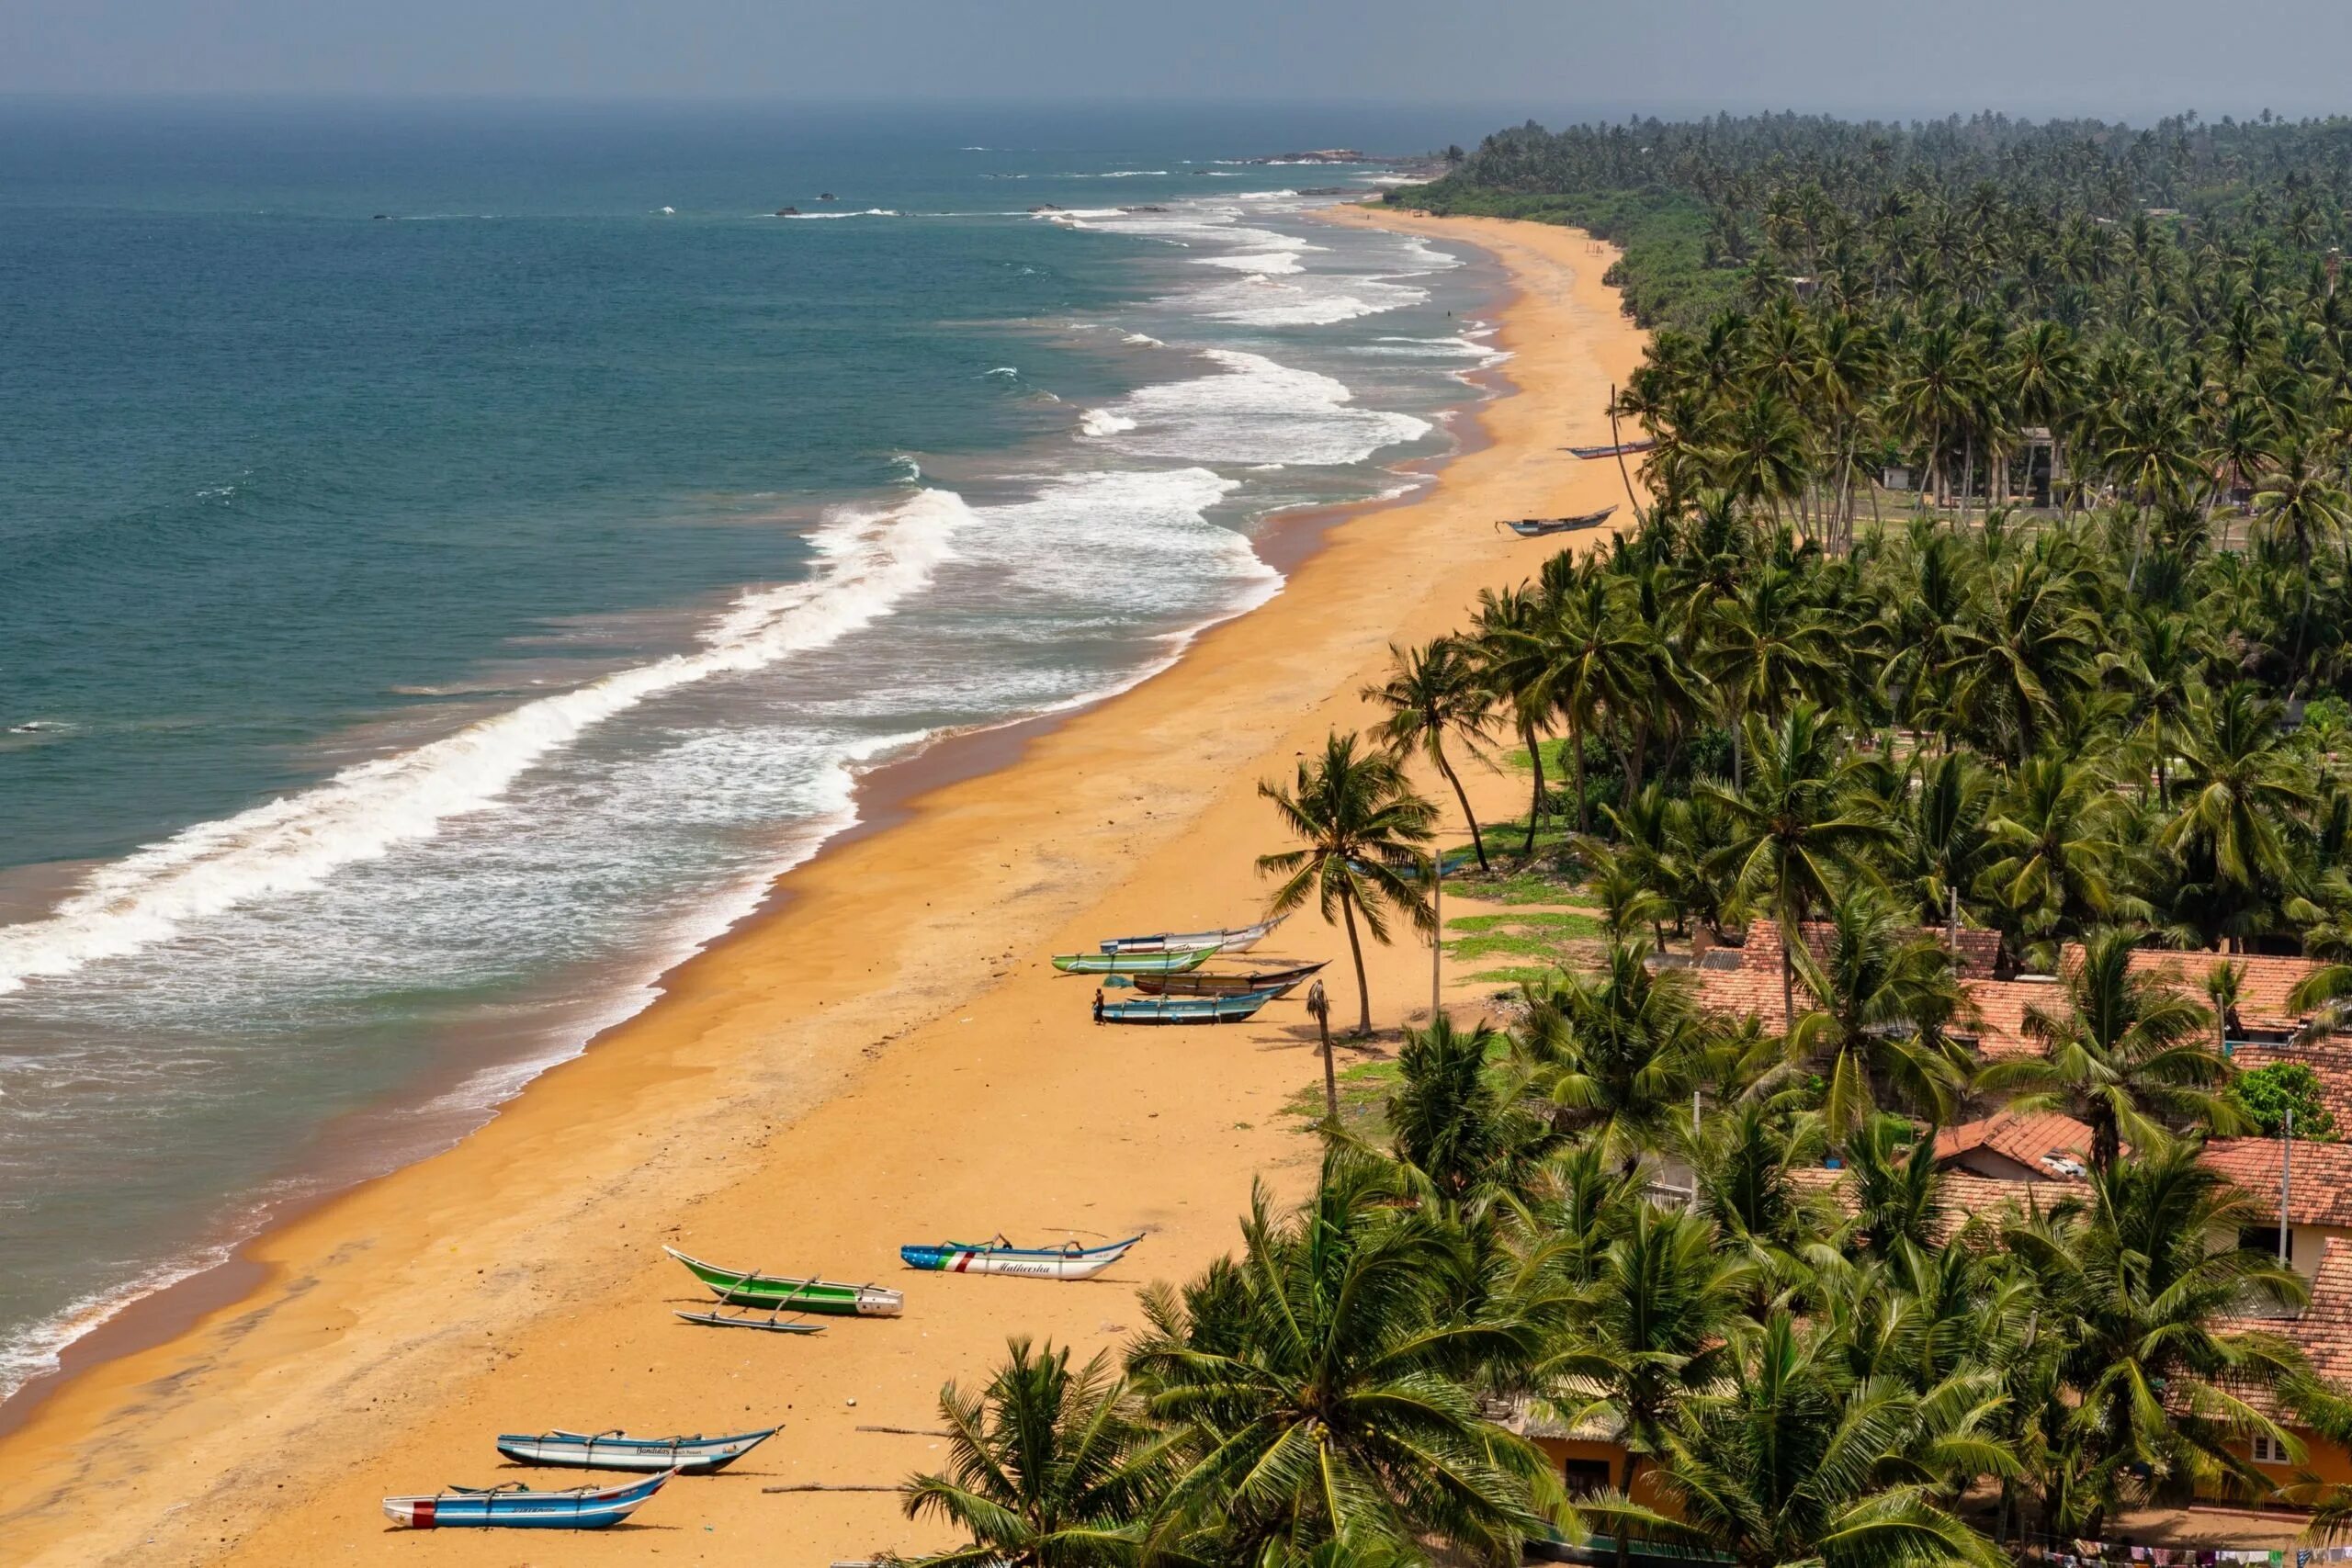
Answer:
(1755, 973)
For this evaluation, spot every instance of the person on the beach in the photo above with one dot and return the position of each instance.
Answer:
(1097, 1004)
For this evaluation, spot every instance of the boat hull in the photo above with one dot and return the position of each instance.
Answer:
(616, 1451)
(1276, 983)
(588, 1508)
(1186, 1009)
(1132, 962)
(1028, 1263)
(824, 1298)
(1239, 939)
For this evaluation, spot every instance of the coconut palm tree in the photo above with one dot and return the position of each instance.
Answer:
(1046, 1468)
(2304, 505)
(1432, 692)
(1762, 648)
(1655, 1333)
(2123, 1050)
(2142, 1290)
(1796, 1460)
(2239, 787)
(1884, 993)
(1329, 1396)
(1797, 831)
(1614, 1055)
(1448, 1115)
(1363, 828)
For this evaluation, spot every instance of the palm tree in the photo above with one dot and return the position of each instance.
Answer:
(1795, 1460)
(1614, 1055)
(1653, 1334)
(1447, 1115)
(1796, 835)
(1329, 1397)
(1435, 690)
(2239, 786)
(2140, 1289)
(1936, 390)
(2127, 1049)
(1512, 658)
(1364, 828)
(1885, 993)
(1046, 1468)
(1760, 455)
(1763, 646)
(1580, 654)
(2307, 505)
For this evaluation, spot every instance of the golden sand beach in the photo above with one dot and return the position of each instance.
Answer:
(884, 1057)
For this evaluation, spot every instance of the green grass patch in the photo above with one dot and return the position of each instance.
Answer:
(1518, 975)
(1364, 1089)
(1564, 923)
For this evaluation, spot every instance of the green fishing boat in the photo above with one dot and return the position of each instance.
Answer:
(1133, 963)
(749, 1287)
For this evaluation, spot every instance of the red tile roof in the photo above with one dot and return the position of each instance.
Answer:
(2263, 981)
(2057, 1147)
(1964, 1197)
(2319, 1180)
(2325, 1329)
(1753, 989)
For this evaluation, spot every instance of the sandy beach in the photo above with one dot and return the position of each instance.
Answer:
(884, 1057)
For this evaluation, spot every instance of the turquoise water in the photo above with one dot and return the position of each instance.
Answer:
(455, 560)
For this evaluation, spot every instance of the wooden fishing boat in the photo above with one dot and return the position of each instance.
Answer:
(1184, 1009)
(1622, 449)
(1237, 940)
(1201, 982)
(616, 1449)
(1001, 1257)
(1536, 527)
(745, 1287)
(516, 1506)
(1133, 963)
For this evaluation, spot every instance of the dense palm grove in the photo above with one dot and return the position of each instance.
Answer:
(2082, 687)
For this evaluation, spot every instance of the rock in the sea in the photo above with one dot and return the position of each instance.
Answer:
(787, 212)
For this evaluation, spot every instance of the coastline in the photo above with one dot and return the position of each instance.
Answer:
(879, 1056)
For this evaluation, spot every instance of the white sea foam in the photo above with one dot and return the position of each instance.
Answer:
(865, 212)
(870, 562)
(1256, 411)
(1117, 175)
(1003, 370)
(1102, 421)
(1268, 262)
(1142, 339)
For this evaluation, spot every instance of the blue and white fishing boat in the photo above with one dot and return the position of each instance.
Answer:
(1183, 1009)
(616, 1449)
(1070, 1261)
(516, 1507)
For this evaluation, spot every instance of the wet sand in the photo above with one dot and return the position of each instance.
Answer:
(882, 1056)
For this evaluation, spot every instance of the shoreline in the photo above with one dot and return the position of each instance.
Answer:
(826, 1075)
(883, 797)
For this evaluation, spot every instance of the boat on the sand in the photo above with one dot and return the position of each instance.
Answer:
(772, 1321)
(1184, 1009)
(828, 1298)
(1621, 450)
(1133, 963)
(616, 1449)
(1536, 527)
(1202, 983)
(1241, 939)
(516, 1506)
(1000, 1256)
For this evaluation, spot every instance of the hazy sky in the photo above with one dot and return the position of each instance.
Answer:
(1549, 58)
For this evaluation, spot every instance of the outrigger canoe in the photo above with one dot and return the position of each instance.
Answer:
(1536, 527)
(1623, 448)
(1281, 982)
(1184, 1009)
(516, 1507)
(1240, 939)
(616, 1449)
(1001, 1257)
(744, 1287)
(1132, 962)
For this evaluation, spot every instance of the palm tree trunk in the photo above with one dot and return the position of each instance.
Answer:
(1355, 950)
(1477, 840)
(1576, 741)
(1789, 979)
(1330, 1068)
(1535, 807)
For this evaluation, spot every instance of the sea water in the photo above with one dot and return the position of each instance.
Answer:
(451, 561)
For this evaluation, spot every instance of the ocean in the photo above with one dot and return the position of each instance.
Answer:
(454, 558)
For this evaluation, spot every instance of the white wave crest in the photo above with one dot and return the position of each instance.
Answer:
(1256, 411)
(1102, 421)
(865, 212)
(1263, 262)
(870, 562)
